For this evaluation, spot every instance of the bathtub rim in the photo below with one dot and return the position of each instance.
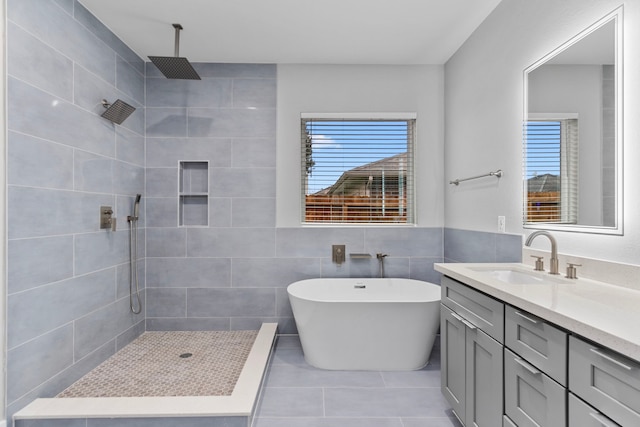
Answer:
(240, 403)
(434, 292)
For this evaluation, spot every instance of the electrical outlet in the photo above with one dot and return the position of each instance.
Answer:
(501, 224)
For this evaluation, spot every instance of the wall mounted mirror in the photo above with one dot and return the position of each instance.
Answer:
(573, 133)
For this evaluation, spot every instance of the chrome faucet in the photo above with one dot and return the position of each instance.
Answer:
(381, 258)
(554, 248)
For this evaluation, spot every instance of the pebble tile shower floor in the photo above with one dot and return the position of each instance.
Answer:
(170, 364)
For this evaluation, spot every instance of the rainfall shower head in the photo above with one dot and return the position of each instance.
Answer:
(175, 67)
(118, 111)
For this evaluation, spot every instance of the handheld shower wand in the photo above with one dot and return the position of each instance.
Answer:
(133, 257)
(136, 209)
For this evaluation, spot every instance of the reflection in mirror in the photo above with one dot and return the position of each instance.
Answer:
(572, 144)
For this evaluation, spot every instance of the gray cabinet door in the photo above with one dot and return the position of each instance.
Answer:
(484, 357)
(452, 363)
(532, 399)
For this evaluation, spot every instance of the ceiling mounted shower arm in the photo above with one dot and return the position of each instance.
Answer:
(176, 49)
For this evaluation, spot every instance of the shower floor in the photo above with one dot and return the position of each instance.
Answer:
(170, 364)
(194, 374)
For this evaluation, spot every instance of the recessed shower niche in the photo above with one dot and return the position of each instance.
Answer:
(193, 209)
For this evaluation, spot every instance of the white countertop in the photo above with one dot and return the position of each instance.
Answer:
(603, 313)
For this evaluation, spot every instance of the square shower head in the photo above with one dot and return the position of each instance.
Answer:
(118, 111)
(175, 67)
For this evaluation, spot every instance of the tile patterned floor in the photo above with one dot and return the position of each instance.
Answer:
(298, 395)
(152, 366)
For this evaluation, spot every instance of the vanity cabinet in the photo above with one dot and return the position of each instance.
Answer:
(472, 354)
(502, 366)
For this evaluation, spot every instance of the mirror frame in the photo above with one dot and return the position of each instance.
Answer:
(617, 17)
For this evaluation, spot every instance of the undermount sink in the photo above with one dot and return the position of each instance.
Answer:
(519, 276)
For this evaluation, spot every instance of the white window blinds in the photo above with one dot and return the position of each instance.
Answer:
(357, 171)
(551, 171)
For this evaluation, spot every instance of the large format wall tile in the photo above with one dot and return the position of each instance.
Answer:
(43, 115)
(49, 22)
(478, 246)
(21, 361)
(189, 272)
(22, 47)
(247, 123)
(65, 275)
(230, 302)
(34, 262)
(102, 325)
(42, 309)
(168, 152)
(35, 162)
(209, 93)
(35, 212)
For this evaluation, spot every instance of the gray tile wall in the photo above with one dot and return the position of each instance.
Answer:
(481, 246)
(68, 306)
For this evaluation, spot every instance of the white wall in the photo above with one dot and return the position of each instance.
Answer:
(362, 89)
(484, 111)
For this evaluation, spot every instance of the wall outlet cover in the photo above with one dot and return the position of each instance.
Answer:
(501, 224)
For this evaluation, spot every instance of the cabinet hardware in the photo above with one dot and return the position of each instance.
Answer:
(464, 321)
(611, 359)
(602, 420)
(527, 366)
(524, 316)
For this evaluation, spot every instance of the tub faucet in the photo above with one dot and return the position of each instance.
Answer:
(554, 248)
(381, 258)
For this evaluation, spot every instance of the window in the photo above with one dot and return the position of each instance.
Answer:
(357, 171)
(551, 171)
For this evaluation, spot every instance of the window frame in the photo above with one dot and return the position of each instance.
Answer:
(411, 219)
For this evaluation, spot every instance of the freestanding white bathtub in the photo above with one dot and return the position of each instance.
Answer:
(366, 324)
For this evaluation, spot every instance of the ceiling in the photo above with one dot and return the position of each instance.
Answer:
(296, 31)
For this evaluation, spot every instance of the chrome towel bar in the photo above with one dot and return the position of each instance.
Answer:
(497, 174)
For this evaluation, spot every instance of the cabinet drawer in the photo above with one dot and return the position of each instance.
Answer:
(531, 398)
(583, 415)
(483, 311)
(607, 381)
(535, 340)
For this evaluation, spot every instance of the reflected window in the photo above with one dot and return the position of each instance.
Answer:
(551, 170)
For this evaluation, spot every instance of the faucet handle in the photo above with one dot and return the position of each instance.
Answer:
(539, 263)
(571, 270)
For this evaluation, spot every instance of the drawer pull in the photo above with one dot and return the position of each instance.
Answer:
(527, 366)
(611, 359)
(463, 320)
(602, 420)
(524, 316)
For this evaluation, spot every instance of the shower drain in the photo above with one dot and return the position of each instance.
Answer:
(185, 355)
